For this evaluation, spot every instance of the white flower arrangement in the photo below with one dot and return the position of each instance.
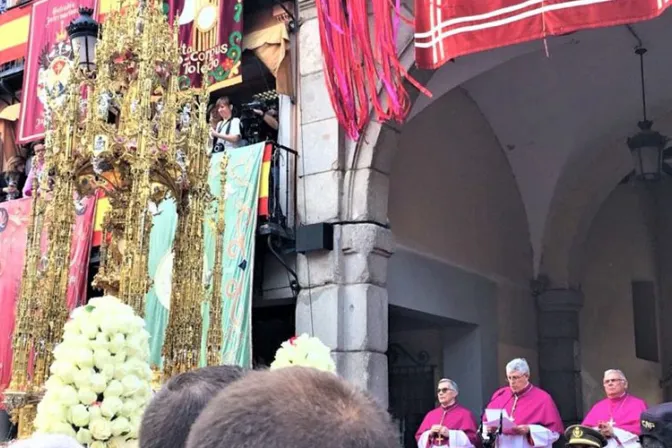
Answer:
(100, 377)
(304, 351)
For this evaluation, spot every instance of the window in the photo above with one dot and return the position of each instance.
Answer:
(644, 315)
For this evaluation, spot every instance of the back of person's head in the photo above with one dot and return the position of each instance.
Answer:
(294, 407)
(172, 411)
(14, 163)
(47, 441)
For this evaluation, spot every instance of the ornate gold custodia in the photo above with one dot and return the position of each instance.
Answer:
(215, 328)
(129, 130)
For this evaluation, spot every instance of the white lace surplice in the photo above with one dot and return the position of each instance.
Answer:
(541, 438)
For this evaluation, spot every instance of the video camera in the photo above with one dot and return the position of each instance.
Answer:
(254, 129)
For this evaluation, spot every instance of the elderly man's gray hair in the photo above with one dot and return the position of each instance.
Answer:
(452, 385)
(617, 372)
(47, 441)
(518, 365)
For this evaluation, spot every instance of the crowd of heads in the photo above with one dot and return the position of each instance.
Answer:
(227, 407)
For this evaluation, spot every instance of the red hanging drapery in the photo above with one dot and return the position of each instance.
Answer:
(445, 29)
(359, 59)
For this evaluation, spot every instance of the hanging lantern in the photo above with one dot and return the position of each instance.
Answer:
(647, 145)
(83, 32)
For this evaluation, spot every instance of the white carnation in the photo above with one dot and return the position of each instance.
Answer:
(82, 378)
(129, 407)
(120, 426)
(95, 412)
(97, 444)
(87, 396)
(119, 358)
(114, 389)
(84, 436)
(84, 358)
(98, 383)
(101, 429)
(89, 328)
(68, 396)
(111, 406)
(117, 343)
(118, 442)
(108, 371)
(63, 370)
(79, 415)
(132, 384)
(101, 342)
(101, 358)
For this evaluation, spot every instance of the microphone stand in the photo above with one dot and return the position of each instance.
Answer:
(489, 440)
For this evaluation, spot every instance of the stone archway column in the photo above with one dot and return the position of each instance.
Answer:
(559, 350)
(343, 298)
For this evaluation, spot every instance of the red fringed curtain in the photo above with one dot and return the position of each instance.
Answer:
(357, 63)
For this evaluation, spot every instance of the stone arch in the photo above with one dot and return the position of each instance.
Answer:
(369, 159)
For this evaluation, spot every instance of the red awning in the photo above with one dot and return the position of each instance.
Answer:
(445, 29)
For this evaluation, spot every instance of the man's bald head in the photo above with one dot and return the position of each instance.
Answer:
(294, 407)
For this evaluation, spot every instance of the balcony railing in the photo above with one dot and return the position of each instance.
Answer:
(279, 221)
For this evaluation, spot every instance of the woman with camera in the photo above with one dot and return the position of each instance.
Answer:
(226, 134)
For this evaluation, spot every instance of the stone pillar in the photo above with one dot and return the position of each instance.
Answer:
(344, 303)
(559, 350)
(343, 299)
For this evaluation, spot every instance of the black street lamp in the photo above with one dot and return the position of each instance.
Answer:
(647, 145)
(83, 32)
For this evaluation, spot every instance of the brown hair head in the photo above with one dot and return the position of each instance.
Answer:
(223, 101)
(295, 407)
(13, 162)
(172, 411)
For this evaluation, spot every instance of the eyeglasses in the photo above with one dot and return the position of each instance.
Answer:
(443, 390)
(514, 378)
(613, 380)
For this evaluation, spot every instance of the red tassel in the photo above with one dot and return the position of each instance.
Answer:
(355, 69)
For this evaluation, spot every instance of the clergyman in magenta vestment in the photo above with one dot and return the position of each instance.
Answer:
(459, 421)
(533, 407)
(623, 413)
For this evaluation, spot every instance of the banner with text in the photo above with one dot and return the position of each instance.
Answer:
(242, 202)
(48, 62)
(14, 221)
(211, 39)
(450, 28)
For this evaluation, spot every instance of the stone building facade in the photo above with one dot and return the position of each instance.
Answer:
(494, 223)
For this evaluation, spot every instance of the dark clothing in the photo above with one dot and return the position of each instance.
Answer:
(15, 179)
(656, 423)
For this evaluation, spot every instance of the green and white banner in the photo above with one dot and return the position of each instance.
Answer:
(242, 194)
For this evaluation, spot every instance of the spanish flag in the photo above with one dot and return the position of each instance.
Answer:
(264, 185)
(102, 206)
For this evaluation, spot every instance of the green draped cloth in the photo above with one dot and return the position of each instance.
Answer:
(242, 199)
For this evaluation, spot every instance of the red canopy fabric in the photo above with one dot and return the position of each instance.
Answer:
(445, 29)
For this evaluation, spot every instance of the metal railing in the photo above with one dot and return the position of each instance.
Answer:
(281, 205)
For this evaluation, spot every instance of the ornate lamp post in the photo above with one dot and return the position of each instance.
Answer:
(83, 32)
(647, 145)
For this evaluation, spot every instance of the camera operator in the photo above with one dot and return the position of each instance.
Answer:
(227, 133)
(270, 117)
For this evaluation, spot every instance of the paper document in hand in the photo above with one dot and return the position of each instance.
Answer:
(492, 418)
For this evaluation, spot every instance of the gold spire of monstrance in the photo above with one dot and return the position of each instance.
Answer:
(129, 130)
